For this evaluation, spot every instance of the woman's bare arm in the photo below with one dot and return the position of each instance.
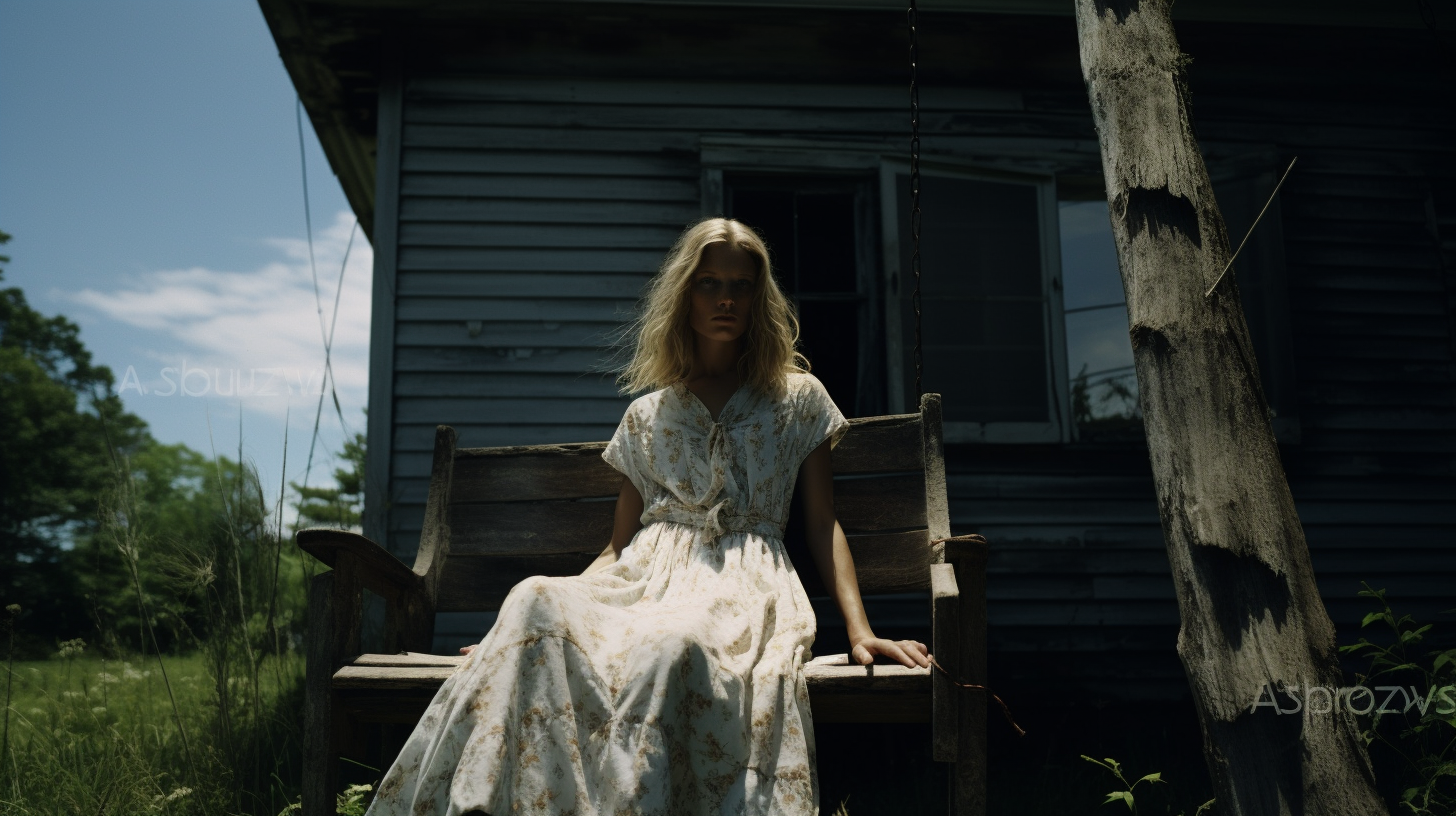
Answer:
(628, 522)
(831, 554)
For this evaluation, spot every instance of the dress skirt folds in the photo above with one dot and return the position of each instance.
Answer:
(669, 683)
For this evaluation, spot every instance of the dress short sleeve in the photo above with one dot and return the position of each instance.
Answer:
(624, 451)
(820, 418)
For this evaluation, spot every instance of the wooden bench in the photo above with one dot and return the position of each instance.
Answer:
(497, 515)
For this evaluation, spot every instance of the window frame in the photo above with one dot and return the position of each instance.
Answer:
(1057, 429)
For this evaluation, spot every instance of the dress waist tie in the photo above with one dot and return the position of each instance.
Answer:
(714, 518)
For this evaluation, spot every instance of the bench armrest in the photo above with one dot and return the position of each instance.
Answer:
(377, 568)
(358, 564)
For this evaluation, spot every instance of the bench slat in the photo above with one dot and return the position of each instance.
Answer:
(880, 445)
(532, 473)
(576, 471)
(895, 561)
(874, 503)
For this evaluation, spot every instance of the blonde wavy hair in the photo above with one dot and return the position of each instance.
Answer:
(662, 338)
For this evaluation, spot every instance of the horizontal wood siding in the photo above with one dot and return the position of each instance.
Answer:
(539, 207)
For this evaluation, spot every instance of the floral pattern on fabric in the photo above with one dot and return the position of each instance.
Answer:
(669, 683)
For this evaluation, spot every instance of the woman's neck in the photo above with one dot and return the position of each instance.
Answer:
(714, 360)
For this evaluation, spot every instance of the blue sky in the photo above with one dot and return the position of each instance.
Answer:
(150, 176)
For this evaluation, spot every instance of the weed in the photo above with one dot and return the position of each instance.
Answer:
(1423, 742)
(1126, 795)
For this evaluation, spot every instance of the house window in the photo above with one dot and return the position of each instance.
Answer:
(991, 306)
(1103, 385)
(816, 232)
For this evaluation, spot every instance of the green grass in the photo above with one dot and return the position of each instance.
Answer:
(93, 736)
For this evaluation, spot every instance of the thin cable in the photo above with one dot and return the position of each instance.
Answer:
(333, 324)
(328, 365)
(913, 16)
(1251, 228)
(308, 216)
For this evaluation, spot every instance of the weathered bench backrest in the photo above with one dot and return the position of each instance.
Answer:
(497, 515)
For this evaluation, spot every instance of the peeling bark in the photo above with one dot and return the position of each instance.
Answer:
(1251, 612)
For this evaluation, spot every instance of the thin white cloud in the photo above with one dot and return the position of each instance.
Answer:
(253, 337)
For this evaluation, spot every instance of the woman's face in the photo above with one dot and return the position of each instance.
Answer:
(722, 292)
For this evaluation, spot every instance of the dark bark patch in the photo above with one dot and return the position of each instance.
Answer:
(1161, 212)
(1268, 758)
(1242, 589)
(1119, 8)
(1147, 337)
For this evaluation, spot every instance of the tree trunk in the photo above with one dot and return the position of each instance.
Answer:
(1251, 613)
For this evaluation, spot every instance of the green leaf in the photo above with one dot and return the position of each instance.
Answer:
(1443, 659)
(1371, 617)
(1152, 777)
(1125, 796)
(1367, 592)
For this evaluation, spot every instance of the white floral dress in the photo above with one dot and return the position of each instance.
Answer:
(669, 683)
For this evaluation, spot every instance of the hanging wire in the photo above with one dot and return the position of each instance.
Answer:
(308, 215)
(913, 15)
(328, 368)
(1257, 218)
(325, 329)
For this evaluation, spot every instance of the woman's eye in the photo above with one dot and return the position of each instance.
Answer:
(742, 287)
(707, 284)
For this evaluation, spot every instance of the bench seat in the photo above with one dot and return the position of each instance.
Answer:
(396, 688)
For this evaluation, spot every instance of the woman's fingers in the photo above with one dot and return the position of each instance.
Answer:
(894, 651)
(918, 651)
(465, 650)
(909, 653)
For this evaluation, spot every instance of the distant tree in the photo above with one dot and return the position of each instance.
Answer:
(79, 474)
(62, 422)
(341, 505)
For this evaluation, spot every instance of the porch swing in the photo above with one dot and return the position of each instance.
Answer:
(480, 536)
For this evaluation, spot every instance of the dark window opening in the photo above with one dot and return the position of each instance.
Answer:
(816, 233)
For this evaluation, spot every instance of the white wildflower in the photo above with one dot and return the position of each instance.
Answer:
(159, 801)
(107, 677)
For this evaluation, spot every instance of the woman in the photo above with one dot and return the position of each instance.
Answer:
(668, 677)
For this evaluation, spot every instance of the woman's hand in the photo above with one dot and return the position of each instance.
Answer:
(465, 650)
(911, 653)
